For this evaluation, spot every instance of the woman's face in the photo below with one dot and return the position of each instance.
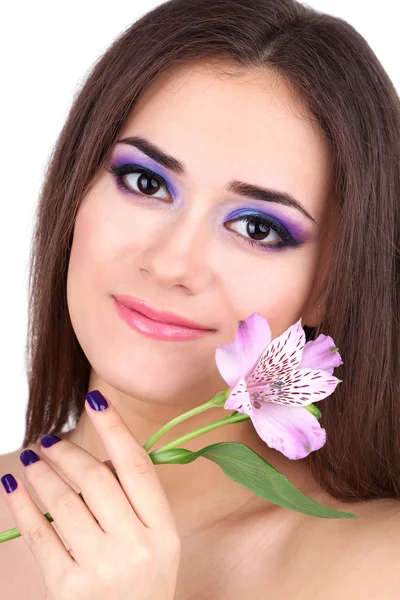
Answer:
(187, 241)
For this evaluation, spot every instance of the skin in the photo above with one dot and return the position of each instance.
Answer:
(177, 253)
(180, 257)
(110, 555)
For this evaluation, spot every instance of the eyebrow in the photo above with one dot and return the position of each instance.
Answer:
(235, 186)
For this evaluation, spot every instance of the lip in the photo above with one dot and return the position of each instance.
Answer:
(157, 315)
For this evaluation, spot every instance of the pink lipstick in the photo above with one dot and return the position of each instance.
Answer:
(161, 325)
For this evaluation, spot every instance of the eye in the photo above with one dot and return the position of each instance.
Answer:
(140, 181)
(260, 231)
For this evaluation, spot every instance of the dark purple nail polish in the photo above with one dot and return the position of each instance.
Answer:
(9, 482)
(28, 457)
(96, 400)
(48, 440)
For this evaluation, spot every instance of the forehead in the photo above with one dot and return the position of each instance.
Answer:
(223, 122)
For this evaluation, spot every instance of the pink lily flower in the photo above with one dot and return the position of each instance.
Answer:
(273, 382)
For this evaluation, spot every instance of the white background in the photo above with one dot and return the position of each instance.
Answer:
(46, 48)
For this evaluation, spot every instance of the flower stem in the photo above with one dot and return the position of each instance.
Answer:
(216, 401)
(238, 418)
(10, 534)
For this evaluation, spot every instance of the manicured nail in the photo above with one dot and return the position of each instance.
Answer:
(96, 400)
(28, 457)
(48, 440)
(9, 482)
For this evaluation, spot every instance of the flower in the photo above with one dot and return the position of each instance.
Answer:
(273, 382)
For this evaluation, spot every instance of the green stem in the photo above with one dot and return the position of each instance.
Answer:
(10, 534)
(238, 418)
(216, 401)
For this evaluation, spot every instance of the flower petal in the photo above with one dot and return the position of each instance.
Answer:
(294, 431)
(237, 359)
(297, 388)
(318, 354)
(239, 399)
(283, 353)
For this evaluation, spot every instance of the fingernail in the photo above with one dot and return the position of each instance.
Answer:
(9, 482)
(28, 457)
(48, 440)
(96, 400)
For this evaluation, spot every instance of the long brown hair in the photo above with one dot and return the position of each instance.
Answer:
(357, 107)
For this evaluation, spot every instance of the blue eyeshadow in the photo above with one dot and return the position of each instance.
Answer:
(298, 232)
(269, 210)
(144, 161)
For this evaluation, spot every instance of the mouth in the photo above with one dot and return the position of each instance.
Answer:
(144, 308)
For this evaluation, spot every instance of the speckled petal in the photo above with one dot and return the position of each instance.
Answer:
(299, 387)
(294, 431)
(237, 359)
(239, 399)
(283, 353)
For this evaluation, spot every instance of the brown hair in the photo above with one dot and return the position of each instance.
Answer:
(357, 107)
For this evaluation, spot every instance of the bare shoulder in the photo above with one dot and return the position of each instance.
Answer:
(273, 552)
(375, 545)
(15, 556)
(357, 558)
(290, 555)
(8, 464)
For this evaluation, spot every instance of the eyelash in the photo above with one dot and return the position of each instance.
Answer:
(286, 239)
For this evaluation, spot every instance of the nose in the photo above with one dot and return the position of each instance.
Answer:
(178, 256)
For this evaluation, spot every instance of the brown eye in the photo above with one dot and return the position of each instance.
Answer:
(145, 184)
(140, 182)
(255, 229)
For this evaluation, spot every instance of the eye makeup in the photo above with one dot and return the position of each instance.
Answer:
(284, 225)
(289, 231)
(122, 171)
(291, 234)
(123, 158)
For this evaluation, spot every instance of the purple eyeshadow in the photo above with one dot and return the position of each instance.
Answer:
(268, 210)
(295, 229)
(119, 159)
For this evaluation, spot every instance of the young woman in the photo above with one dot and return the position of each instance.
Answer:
(223, 157)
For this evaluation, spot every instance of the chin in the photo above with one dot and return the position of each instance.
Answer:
(153, 371)
(153, 380)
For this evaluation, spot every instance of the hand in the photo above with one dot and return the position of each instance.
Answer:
(124, 542)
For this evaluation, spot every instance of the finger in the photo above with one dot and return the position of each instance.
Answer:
(39, 535)
(109, 464)
(103, 494)
(136, 472)
(73, 518)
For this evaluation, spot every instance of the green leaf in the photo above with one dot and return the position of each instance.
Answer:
(314, 410)
(173, 456)
(249, 469)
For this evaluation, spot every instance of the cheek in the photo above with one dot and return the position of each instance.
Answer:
(277, 285)
(107, 233)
